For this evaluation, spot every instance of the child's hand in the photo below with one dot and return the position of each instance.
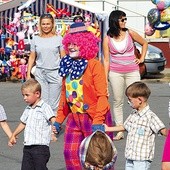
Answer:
(12, 141)
(106, 128)
(56, 127)
(53, 137)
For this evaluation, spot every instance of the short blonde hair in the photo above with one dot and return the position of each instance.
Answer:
(32, 84)
(47, 16)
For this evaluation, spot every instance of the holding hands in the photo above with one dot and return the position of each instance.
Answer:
(12, 141)
(98, 127)
(56, 127)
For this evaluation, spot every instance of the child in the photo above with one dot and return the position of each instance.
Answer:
(97, 152)
(4, 123)
(35, 120)
(141, 126)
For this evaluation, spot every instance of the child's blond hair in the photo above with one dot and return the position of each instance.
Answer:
(32, 84)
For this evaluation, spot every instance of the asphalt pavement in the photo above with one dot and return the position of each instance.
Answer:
(11, 99)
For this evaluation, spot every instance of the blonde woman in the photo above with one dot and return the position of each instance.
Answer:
(46, 50)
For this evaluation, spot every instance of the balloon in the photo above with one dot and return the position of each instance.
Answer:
(153, 16)
(162, 26)
(162, 4)
(149, 30)
(165, 15)
(153, 1)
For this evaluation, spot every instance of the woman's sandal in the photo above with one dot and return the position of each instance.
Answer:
(119, 136)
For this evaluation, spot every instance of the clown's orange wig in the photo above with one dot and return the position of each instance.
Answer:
(86, 41)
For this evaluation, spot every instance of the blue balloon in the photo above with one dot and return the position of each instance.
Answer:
(153, 1)
(162, 26)
(153, 16)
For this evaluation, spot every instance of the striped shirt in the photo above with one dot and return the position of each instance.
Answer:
(122, 58)
(38, 127)
(2, 113)
(142, 128)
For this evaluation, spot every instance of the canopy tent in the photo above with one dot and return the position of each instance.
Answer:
(8, 10)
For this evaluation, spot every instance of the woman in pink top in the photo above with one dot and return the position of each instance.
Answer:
(121, 65)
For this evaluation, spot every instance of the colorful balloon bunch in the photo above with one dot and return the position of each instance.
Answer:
(158, 17)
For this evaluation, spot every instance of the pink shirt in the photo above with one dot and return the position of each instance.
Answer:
(122, 59)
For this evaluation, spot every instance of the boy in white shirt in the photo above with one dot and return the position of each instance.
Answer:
(36, 123)
(142, 125)
(3, 122)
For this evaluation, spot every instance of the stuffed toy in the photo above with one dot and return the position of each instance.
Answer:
(16, 20)
(87, 19)
(14, 62)
(12, 27)
(8, 47)
(21, 45)
(23, 69)
(5, 69)
(92, 27)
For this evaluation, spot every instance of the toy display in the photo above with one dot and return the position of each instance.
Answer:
(23, 26)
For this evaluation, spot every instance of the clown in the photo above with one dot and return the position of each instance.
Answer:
(84, 99)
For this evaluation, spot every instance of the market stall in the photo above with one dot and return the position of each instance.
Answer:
(19, 23)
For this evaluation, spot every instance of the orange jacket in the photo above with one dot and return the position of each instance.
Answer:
(94, 92)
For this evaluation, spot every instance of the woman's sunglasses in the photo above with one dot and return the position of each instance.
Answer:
(123, 19)
(46, 16)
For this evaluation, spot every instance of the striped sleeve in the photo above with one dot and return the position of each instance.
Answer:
(2, 113)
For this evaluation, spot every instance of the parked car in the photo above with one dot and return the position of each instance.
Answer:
(155, 61)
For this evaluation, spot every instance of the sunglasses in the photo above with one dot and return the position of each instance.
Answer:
(46, 16)
(123, 19)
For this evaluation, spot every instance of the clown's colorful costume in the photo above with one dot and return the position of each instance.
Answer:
(84, 100)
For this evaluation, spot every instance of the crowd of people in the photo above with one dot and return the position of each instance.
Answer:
(70, 83)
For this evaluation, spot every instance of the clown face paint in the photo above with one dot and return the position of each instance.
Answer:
(73, 50)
